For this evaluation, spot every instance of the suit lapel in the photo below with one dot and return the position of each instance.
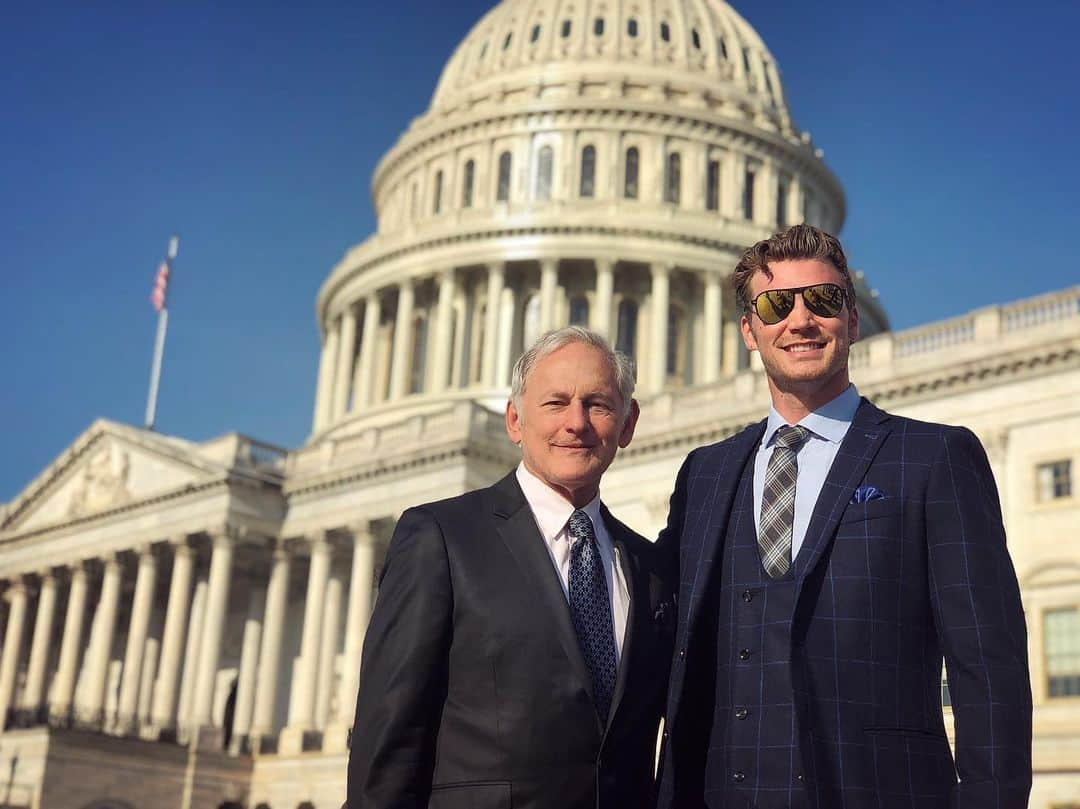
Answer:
(518, 531)
(638, 601)
(862, 442)
(711, 521)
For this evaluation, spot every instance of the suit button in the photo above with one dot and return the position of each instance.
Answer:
(738, 776)
(744, 654)
(682, 654)
(799, 778)
(742, 713)
(663, 735)
(747, 596)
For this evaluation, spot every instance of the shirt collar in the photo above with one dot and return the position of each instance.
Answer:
(551, 509)
(830, 421)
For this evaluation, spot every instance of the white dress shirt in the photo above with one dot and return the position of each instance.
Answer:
(552, 512)
(827, 425)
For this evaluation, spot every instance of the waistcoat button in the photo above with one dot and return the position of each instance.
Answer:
(742, 713)
(744, 654)
(738, 776)
(747, 596)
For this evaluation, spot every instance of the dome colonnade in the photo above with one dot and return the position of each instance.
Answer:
(602, 164)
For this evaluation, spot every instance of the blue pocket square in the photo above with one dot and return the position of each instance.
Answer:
(867, 493)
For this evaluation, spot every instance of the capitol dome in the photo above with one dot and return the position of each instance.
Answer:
(603, 164)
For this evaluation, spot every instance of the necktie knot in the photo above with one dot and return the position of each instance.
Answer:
(580, 526)
(791, 438)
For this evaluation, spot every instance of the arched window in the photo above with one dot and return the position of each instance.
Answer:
(506, 42)
(566, 26)
(588, 171)
(665, 32)
(722, 47)
(467, 184)
(502, 191)
(746, 61)
(748, 194)
(631, 27)
(535, 35)
(436, 204)
(782, 187)
(768, 81)
(626, 339)
(598, 26)
(695, 37)
(419, 363)
(712, 186)
(673, 178)
(544, 163)
(579, 311)
(530, 326)
(630, 183)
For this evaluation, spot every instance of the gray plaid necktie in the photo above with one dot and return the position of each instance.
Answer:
(778, 501)
(590, 609)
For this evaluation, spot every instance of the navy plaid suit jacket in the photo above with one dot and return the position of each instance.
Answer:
(884, 590)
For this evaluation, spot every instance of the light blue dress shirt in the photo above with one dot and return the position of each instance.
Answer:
(827, 425)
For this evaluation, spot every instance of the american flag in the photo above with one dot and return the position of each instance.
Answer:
(161, 286)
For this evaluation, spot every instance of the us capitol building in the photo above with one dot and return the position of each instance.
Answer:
(182, 622)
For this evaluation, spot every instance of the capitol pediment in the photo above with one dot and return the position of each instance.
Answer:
(110, 466)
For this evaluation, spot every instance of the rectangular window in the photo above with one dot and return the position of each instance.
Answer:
(712, 186)
(1061, 645)
(748, 194)
(1053, 481)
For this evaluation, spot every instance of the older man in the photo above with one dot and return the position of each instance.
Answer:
(517, 654)
(830, 557)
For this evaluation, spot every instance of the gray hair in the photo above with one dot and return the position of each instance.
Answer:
(621, 365)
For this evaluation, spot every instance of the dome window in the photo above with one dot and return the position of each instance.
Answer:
(631, 28)
(696, 39)
(598, 26)
(579, 311)
(588, 172)
(673, 178)
(502, 190)
(748, 194)
(535, 35)
(746, 61)
(467, 184)
(544, 163)
(722, 47)
(508, 40)
(566, 26)
(665, 32)
(436, 204)
(768, 82)
(712, 186)
(626, 341)
(630, 182)
(483, 51)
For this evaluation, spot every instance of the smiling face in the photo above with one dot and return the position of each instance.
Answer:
(569, 421)
(805, 355)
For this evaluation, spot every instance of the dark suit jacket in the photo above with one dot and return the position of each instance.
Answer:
(474, 692)
(884, 589)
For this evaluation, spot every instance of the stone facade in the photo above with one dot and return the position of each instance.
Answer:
(182, 622)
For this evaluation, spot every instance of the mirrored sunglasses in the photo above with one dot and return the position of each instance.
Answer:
(823, 300)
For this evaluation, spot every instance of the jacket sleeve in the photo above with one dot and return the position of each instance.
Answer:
(404, 672)
(980, 622)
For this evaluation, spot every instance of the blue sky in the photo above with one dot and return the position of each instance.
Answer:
(252, 130)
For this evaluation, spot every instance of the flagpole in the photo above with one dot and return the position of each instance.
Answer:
(159, 343)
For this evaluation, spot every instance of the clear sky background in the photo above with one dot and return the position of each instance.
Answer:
(252, 130)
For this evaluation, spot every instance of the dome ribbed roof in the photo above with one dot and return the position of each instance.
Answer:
(695, 46)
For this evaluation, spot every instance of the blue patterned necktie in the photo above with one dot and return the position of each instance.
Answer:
(590, 608)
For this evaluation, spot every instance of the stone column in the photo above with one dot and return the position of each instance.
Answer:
(34, 689)
(141, 608)
(191, 653)
(361, 588)
(217, 602)
(506, 337)
(71, 643)
(732, 341)
(324, 396)
(270, 651)
(658, 322)
(328, 649)
(492, 333)
(146, 683)
(9, 662)
(549, 281)
(172, 637)
(302, 704)
(713, 335)
(101, 639)
(366, 369)
(600, 317)
(401, 361)
(346, 349)
(249, 661)
(444, 321)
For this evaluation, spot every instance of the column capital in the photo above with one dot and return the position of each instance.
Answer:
(361, 531)
(661, 268)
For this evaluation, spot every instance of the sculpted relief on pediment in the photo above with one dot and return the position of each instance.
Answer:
(103, 483)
